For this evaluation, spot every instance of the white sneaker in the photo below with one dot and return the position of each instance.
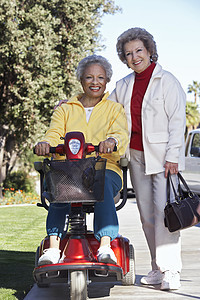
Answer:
(153, 277)
(171, 281)
(50, 256)
(106, 255)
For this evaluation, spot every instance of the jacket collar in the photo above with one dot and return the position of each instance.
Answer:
(157, 73)
(75, 99)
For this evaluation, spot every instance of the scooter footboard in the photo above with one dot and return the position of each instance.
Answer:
(59, 272)
(80, 260)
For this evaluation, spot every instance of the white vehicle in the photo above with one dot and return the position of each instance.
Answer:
(192, 164)
(192, 161)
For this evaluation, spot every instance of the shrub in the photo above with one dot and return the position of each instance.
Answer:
(20, 180)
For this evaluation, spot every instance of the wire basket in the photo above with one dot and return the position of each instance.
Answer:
(75, 180)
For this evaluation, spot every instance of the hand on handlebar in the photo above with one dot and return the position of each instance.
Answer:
(42, 149)
(107, 146)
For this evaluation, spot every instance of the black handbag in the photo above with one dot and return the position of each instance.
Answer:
(184, 212)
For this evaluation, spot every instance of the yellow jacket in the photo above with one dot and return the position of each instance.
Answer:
(107, 120)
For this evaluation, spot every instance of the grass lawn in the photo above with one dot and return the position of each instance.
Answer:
(22, 228)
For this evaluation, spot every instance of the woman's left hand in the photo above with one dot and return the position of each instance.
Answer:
(60, 103)
(107, 146)
(172, 167)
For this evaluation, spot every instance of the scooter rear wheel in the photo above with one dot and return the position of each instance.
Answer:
(78, 285)
(129, 277)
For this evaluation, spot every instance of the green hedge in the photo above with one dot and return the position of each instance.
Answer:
(20, 180)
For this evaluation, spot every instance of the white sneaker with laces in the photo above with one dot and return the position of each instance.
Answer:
(106, 255)
(171, 281)
(49, 256)
(153, 277)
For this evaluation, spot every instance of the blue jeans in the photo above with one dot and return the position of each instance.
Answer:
(105, 216)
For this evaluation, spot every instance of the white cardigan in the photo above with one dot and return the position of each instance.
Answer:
(163, 118)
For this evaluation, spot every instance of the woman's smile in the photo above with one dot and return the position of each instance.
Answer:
(95, 88)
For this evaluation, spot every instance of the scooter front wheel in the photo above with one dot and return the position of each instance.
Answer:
(78, 285)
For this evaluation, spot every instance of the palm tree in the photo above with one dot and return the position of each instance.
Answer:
(194, 88)
(192, 116)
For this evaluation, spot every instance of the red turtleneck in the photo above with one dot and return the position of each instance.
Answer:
(139, 89)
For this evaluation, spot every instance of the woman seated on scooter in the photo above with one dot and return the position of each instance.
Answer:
(102, 122)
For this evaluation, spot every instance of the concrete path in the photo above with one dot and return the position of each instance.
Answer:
(131, 228)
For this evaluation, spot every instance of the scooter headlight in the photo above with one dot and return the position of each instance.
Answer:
(74, 146)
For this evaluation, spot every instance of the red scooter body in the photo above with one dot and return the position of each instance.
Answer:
(79, 247)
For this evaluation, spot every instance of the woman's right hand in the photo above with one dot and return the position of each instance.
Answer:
(107, 146)
(170, 167)
(60, 103)
(42, 149)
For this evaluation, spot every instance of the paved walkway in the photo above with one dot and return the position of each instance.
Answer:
(130, 227)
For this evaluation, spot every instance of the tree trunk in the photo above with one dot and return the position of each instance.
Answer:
(8, 157)
(2, 169)
(195, 98)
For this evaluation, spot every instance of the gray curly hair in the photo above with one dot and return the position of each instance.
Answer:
(94, 59)
(136, 33)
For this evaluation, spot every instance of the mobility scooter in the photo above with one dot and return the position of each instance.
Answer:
(80, 181)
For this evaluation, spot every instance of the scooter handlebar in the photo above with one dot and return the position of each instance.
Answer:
(97, 148)
(51, 150)
(56, 149)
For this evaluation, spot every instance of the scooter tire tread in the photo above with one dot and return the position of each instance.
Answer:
(129, 277)
(78, 285)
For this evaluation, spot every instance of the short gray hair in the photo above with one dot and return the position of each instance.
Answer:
(94, 59)
(136, 33)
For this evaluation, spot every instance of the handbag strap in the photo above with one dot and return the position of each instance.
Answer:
(179, 197)
(180, 177)
(170, 182)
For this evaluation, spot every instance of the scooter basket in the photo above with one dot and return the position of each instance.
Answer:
(75, 180)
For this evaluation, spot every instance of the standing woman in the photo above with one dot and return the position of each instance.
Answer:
(154, 102)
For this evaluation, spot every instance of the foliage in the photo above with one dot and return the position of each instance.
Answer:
(22, 229)
(19, 180)
(194, 88)
(192, 114)
(41, 43)
(10, 197)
